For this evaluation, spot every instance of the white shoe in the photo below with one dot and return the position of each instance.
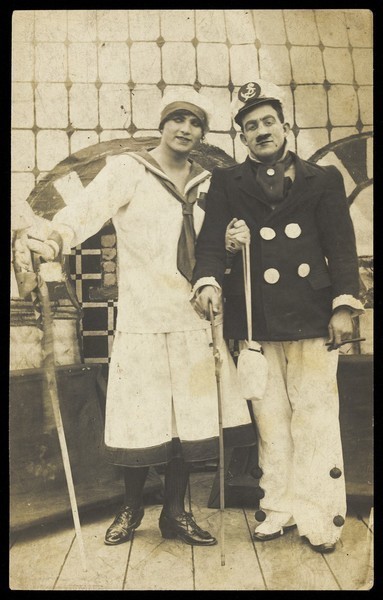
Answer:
(275, 525)
(324, 548)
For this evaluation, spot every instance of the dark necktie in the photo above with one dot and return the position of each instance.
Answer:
(186, 242)
(271, 178)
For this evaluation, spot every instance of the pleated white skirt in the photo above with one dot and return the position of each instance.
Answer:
(162, 386)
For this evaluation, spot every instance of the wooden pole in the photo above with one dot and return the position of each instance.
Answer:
(52, 391)
(31, 282)
(218, 363)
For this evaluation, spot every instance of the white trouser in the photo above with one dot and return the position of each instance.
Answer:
(299, 437)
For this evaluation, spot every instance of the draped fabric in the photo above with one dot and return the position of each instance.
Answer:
(271, 178)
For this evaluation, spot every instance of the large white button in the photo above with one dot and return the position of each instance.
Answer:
(270, 172)
(292, 230)
(267, 233)
(303, 270)
(271, 275)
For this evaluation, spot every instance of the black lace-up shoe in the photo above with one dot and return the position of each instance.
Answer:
(186, 529)
(126, 521)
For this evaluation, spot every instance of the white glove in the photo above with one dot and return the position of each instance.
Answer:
(49, 249)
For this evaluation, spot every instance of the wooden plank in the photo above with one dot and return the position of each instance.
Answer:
(352, 562)
(35, 560)
(241, 570)
(106, 565)
(52, 560)
(200, 485)
(156, 563)
(370, 559)
(288, 563)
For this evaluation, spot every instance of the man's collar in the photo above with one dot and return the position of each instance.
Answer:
(281, 159)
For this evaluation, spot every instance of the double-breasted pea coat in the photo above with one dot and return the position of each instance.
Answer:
(303, 265)
(303, 252)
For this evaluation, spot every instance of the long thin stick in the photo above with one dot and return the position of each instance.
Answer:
(51, 387)
(217, 359)
(247, 281)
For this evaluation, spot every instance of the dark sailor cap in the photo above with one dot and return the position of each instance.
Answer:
(252, 94)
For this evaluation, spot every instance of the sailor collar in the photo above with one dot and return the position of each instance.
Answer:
(197, 173)
(186, 241)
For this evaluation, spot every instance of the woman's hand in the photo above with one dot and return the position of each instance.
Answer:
(42, 249)
(237, 235)
(48, 250)
(202, 299)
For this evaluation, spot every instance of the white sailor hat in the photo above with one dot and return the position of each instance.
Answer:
(186, 99)
(253, 93)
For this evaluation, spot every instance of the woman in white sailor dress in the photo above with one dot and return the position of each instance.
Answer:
(161, 399)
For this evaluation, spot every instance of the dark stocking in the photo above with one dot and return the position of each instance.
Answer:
(176, 481)
(135, 478)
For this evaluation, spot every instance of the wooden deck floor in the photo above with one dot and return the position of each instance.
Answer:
(49, 559)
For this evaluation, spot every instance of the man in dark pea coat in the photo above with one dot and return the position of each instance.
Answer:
(305, 284)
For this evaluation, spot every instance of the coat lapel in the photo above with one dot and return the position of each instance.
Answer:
(249, 185)
(302, 186)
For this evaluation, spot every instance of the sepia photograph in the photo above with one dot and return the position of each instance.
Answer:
(191, 300)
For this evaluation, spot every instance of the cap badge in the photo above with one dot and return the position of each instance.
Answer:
(249, 91)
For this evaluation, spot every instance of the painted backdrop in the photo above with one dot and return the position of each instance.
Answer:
(83, 78)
